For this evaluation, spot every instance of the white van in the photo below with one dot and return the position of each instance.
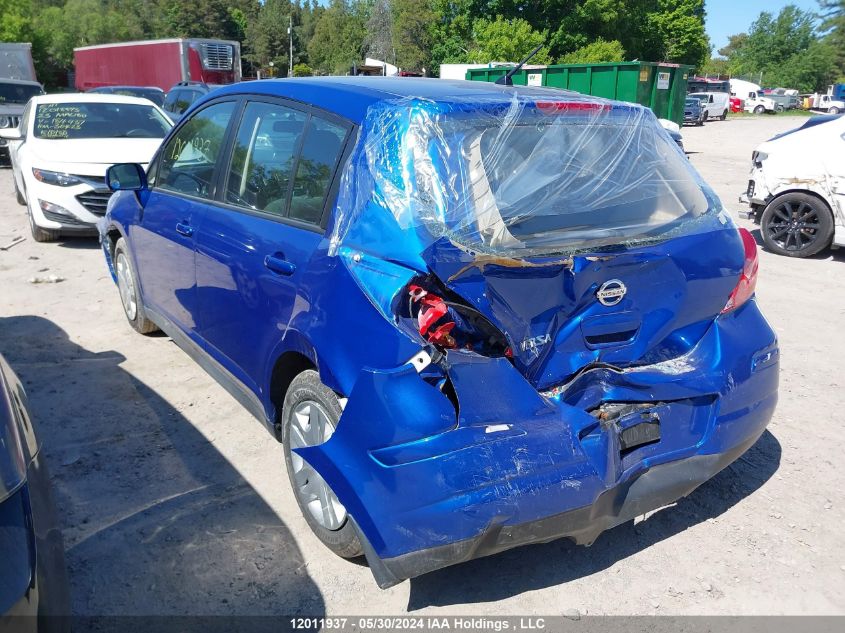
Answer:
(796, 189)
(716, 105)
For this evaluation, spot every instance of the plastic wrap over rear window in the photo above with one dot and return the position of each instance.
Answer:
(519, 174)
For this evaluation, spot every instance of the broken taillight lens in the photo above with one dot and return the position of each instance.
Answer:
(744, 289)
(448, 323)
(433, 319)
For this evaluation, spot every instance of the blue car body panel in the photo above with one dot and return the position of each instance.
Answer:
(519, 452)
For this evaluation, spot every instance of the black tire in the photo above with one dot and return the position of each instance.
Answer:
(704, 117)
(39, 234)
(307, 387)
(796, 225)
(760, 109)
(135, 314)
(833, 110)
(724, 115)
(20, 197)
(779, 108)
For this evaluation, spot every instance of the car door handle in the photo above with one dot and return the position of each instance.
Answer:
(278, 264)
(184, 229)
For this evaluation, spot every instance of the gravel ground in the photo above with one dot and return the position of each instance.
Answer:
(175, 500)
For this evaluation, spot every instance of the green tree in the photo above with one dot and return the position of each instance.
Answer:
(411, 33)
(507, 40)
(84, 23)
(587, 21)
(786, 49)
(450, 31)
(197, 18)
(675, 33)
(734, 45)
(595, 52)
(833, 23)
(655, 30)
(714, 66)
(267, 36)
(339, 38)
(302, 70)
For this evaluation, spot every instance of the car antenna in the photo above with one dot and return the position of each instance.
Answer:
(507, 80)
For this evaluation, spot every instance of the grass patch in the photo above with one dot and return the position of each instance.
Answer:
(786, 113)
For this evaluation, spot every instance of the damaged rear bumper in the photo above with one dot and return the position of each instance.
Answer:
(430, 484)
(652, 489)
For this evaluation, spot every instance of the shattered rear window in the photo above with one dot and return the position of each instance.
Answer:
(526, 176)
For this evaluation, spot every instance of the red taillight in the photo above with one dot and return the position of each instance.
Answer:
(449, 323)
(560, 107)
(748, 279)
(433, 318)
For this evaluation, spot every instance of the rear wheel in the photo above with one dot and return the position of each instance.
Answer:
(724, 115)
(127, 285)
(797, 225)
(309, 418)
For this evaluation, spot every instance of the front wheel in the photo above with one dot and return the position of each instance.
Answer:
(796, 225)
(759, 109)
(309, 418)
(834, 110)
(39, 234)
(18, 195)
(127, 285)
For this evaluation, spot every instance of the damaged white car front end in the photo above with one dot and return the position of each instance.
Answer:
(796, 188)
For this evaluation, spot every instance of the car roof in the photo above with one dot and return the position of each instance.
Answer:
(350, 97)
(24, 82)
(126, 87)
(90, 97)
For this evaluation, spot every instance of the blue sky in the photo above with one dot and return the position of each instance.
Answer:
(728, 17)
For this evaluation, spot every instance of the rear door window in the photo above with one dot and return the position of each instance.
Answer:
(188, 160)
(171, 99)
(321, 150)
(264, 157)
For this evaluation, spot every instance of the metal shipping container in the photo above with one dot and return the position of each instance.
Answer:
(16, 61)
(660, 86)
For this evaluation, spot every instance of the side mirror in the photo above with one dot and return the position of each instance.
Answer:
(126, 177)
(11, 134)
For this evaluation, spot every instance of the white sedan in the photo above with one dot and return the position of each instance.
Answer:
(62, 148)
(796, 189)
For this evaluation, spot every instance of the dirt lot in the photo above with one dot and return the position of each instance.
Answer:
(175, 500)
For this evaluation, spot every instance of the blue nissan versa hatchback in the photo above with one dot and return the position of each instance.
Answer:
(476, 316)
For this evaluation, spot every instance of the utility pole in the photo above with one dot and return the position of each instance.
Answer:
(290, 39)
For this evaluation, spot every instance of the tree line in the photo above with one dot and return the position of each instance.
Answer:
(418, 35)
(797, 49)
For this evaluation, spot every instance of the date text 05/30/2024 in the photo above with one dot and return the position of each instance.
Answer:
(406, 623)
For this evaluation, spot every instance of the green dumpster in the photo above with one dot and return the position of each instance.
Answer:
(660, 86)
